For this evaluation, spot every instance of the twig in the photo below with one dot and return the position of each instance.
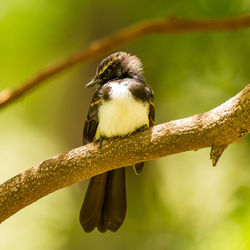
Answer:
(99, 47)
(218, 127)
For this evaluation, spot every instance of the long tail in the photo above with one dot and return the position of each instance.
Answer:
(105, 204)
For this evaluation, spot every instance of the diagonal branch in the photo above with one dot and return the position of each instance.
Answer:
(216, 128)
(99, 47)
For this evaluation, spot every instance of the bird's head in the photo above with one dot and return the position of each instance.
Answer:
(118, 66)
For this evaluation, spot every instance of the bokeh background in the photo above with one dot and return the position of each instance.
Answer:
(180, 201)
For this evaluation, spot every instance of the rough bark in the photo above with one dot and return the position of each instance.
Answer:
(217, 128)
(96, 48)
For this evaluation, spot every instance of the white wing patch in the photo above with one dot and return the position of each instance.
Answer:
(121, 115)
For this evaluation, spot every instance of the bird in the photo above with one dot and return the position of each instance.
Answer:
(121, 105)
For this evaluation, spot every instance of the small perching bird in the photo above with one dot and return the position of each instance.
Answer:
(121, 105)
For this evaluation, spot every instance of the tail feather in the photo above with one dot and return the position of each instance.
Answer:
(105, 203)
(115, 203)
(91, 209)
(138, 168)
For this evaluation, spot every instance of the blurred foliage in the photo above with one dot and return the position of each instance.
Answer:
(179, 202)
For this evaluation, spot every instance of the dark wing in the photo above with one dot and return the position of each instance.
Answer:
(92, 121)
(151, 117)
(151, 114)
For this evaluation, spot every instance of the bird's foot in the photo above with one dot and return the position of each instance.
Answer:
(99, 140)
(141, 128)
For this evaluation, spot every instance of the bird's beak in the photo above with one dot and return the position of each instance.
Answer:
(93, 82)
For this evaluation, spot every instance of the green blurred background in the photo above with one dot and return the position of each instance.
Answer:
(180, 201)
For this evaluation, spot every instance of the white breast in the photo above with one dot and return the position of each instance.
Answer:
(121, 115)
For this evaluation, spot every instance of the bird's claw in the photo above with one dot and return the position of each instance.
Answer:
(100, 140)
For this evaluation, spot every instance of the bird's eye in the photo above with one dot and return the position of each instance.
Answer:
(108, 71)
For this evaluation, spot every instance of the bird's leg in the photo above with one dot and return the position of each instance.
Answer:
(99, 140)
(141, 129)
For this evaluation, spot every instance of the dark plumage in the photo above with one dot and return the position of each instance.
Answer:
(122, 104)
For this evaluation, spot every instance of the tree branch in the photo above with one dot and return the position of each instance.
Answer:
(99, 47)
(217, 128)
